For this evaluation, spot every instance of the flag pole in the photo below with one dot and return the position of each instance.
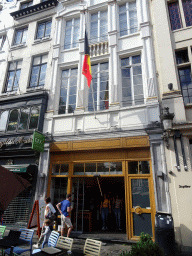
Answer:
(93, 100)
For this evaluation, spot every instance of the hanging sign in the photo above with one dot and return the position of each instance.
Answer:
(38, 141)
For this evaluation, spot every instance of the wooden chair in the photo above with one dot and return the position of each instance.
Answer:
(65, 243)
(92, 247)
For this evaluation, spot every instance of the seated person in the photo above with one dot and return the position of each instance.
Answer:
(45, 233)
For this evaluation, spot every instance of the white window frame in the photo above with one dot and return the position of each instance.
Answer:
(97, 39)
(98, 92)
(2, 41)
(128, 29)
(132, 82)
(69, 78)
(72, 41)
(21, 41)
(45, 26)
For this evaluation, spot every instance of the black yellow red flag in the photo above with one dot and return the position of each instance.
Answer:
(86, 71)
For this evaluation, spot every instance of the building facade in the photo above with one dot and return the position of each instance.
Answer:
(26, 31)
(106, 139)
(172, 41)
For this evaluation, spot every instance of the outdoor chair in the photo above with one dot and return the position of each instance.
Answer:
(65, 243)
(92, 247)
(52, 241)
(27, 236)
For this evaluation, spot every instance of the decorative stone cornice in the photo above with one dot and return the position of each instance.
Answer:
(34, 9)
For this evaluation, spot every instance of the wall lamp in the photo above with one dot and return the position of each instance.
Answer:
(167, 120)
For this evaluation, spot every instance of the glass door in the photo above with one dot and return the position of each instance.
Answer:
(78, 204)
(140, 206)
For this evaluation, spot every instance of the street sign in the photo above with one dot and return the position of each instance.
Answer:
(38, 141)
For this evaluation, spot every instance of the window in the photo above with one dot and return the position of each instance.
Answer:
(72, 33)
(128, 18)
(26, 5)
(20, 36)
(2, 41)
(38, 71)
(44, 29)
(99, 27)
(132, 84)
(175, 16)
(68, 91)
(13, 75)
(184, 70)
(100, 79)
(19, 119)
(187, 8)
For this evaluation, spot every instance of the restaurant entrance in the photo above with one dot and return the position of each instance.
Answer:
(88, 195)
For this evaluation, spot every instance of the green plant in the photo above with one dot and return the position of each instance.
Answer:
(144, 247)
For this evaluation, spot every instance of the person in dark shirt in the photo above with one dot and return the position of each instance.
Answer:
(65, 208)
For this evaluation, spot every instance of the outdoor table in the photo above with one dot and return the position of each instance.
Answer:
(63, 252)
(6, 243)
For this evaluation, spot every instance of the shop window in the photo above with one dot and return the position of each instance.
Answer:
(13, 75)
(13, 120)
(19, 119)
(3, 120)
(128, 18)
(104, 168)
(20, 36)
(58, 190)
(2, 41)
(100, 83)
(38, 72)
(72, 33)
(58, 169)
(44, 29)
(132, 82)
(26, 5)
(139, 167)
(99, 27)
(24, 119)
(34, 117)
(68, 91)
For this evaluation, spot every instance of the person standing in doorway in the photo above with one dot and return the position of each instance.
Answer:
(65, 208)
(117, 211)
(105, 208)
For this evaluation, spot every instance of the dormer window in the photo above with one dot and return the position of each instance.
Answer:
(26, 5)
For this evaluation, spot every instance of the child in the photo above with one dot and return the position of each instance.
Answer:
(45, 233)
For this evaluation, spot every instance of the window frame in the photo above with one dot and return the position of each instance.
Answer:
(39, 72)
(45, 23)
(19, 118)
(128, 27)
(99, 38)
(28, 3)
(72, 41)
(15, 76)
(2, 41)
(131, 66)
(69, 78)
(98, 91)
(21, 41)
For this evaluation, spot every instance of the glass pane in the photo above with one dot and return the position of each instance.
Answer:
(116, 168)
(48, 28)
(174, 14)
(13, 120)
(79, 169)
(58, 190)
(140, 193)
(3, 120)
(24, 118)
(56, 169)
(187, 7)
(34, 118)
(90, 168)
(144, 167)
(18, 37)
(133, 167)
(142, 223)
(103, 167)
(40, 31)
(64, 169)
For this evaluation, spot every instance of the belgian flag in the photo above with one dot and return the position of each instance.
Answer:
(87, 63)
